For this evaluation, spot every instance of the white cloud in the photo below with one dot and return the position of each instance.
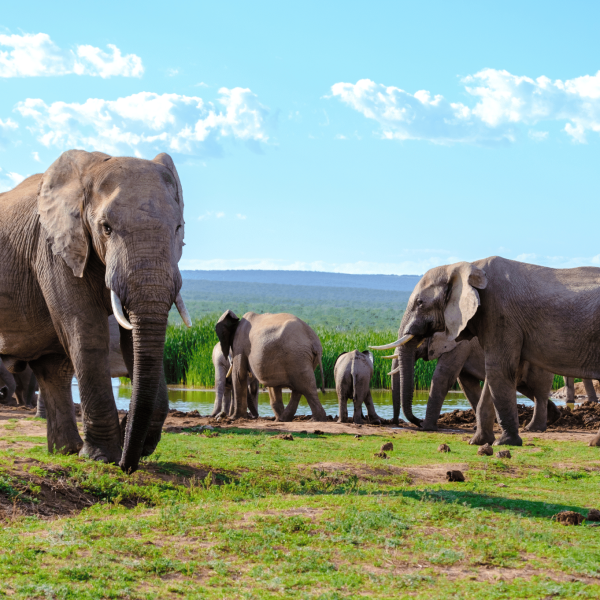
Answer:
(538, 136)
(8, 124)
(147, 122)
(241, 216)
(503, 101)
(9, 180)
(220, 215)
(36, 156)
(36, 55)
(172, 72)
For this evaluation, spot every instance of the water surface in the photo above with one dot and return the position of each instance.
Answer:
(203, 401)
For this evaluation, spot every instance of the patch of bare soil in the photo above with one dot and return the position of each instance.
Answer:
(422, 474)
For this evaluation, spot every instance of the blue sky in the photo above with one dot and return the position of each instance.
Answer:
(359, 137)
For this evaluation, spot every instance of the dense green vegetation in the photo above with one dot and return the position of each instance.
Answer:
(246, 515)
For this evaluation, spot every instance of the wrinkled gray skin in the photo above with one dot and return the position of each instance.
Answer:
(281, 351)
(352, 372)
(589, 389)
(520, 313)
(466, 362)
(224, 387)
(90, 224)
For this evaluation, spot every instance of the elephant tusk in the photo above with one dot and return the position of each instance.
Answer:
(117, 307)
(230, 370)
(183, 311)
(421, 342)
(400, 342)
(391, 357)
(395, 370)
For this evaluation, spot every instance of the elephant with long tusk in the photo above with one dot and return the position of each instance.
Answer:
(92, 236)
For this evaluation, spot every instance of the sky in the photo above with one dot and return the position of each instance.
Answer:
(354, 137)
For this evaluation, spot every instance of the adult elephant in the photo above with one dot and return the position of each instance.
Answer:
(92, 235)
(521, 313)
(224, 386)
(465, 361)
(281, 351)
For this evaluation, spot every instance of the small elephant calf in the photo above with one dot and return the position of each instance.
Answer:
(353, 371)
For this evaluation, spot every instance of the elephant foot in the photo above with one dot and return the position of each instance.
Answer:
(429, 426)
(554, 413)
(318, 418)
(595, 441)
(64, 444)
(535, 428)
(481, 439)
(509, 439)
(101, 454)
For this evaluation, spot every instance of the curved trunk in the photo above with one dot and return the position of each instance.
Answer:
(407, 383)
(149, 329)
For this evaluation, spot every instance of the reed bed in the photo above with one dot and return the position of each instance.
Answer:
(188, 355)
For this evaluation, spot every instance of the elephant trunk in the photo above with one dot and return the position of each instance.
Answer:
(407, 383)
(149, 322)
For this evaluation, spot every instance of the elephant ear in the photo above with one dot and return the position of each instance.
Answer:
(463, 301)
(368, 354)
(60, 205)
(439, 344)
(164, 159)
(226, 327)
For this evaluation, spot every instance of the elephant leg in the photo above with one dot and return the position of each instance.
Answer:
(485, 419)
(276, 402)
(590, 391)
(316, 408)
(504, 397)
(30, 388)
(253, 397)
(55, 373)
(471, 389)
(595, 441)
(7, 383)
(538, 388)
(290, 410)
(342, 404)
(226, 401)
(159, 416)
(570, 385)
(239, 379)
(373, 416)
(40, 413)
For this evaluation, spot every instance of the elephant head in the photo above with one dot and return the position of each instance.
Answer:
(443, 302)
(127, 212)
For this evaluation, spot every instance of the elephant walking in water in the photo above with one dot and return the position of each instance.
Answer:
(352, 372)
(224, 386)
(520, 313)
(281, 351)
(92, 236)
(465, 361)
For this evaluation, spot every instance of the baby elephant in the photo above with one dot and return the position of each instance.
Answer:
(224, 386)
(353, 371)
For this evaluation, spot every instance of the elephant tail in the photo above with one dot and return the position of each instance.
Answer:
(353, 373)
(322, 374)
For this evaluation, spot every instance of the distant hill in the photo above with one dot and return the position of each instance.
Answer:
(392, 283)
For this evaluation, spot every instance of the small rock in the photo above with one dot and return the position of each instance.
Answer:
(387, 447)
(380, 455)
(569, 517)
(455, 476)
(502, 485)
(503, 454)
(443, 448)
(303, 432)
(318, 432)
(257, 452)
(285, 436)
(593, 515)
(485, 450)
(530, 444)
(357, 436)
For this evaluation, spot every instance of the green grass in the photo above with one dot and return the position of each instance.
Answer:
(316, 518)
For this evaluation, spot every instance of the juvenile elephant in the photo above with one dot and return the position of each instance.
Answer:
(23, 385)
(224, 387)
(352, 372)
(281, 351)
(93, 235)
(465, 361)
(521, 313)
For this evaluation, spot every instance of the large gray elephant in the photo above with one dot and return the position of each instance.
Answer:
(352, 372)
(224, 386)
(281, 351)
(465, 361)
(521, 313)
(93, 235)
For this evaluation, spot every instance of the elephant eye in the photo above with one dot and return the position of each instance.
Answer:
(107, 229)
(419, 302)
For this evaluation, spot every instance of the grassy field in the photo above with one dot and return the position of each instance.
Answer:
(250, 516)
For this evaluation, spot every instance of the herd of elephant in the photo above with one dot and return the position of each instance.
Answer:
(96, 235)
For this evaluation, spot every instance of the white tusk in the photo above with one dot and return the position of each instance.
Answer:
(118, 311)
(183, 311)
(395, 370)
(421, 342)
(400, 342)
(390, 357)
(230, 370)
